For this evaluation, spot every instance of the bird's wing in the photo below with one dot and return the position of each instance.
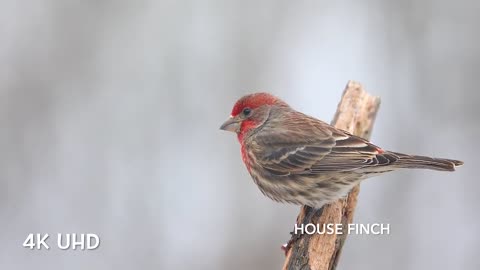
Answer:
(313, 147)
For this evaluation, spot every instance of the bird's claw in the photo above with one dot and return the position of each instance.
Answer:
(295, 237)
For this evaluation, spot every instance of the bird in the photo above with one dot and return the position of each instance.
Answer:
(298, 159)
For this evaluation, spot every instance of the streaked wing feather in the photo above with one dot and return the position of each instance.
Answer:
(314, 147)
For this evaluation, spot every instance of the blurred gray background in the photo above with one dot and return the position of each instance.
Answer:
(109, 117)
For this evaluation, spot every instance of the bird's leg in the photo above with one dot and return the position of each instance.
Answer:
(309, 213)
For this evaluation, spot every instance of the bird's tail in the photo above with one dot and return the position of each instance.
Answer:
(422, 162)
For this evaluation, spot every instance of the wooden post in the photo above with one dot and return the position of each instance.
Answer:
(355, 113)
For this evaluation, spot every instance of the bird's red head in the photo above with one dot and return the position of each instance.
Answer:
(253, 101)
(250, 112)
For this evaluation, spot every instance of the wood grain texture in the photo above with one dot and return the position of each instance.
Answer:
(356, 114)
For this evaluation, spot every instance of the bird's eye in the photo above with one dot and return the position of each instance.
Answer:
(247, 111)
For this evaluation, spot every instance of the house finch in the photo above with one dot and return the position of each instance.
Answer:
(295, 158)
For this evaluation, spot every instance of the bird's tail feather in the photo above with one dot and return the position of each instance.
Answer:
(422, 162)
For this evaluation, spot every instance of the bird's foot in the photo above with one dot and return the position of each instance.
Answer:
(309, 213)
(295, 237)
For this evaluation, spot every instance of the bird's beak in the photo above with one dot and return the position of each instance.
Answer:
(231, 124)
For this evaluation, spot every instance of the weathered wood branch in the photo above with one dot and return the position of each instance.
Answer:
(356, 114)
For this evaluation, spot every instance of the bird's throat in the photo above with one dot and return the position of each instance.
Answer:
(245, 129)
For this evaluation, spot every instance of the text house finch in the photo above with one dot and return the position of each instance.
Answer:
(298, 159)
